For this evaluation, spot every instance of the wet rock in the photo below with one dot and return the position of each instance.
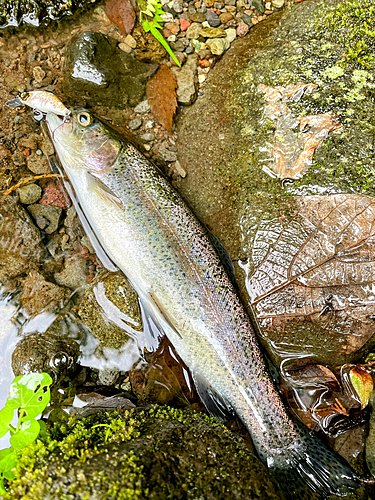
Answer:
(55, 195)
(45, 352)
(121, 13)
(212, 33)
(143, 107)
(235, 168)
(213, 19)
(39, 295)
(108, 376)
(198, 17)
(148, 48)
(74, 275)
(38, 164)
(193, 31)
(218, 45)
(225, 17)
(37, 12)
(259, 6)
(29, 194)
(231, 34)
(242, 29)
(187, 81)
(46, 217)
(110, 309)
(159, 453)
(20, 242)
(97, 67)
(135, 124)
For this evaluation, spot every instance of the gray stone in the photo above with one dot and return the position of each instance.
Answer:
(189, 50)
(74, 275)
(29, 194)
(46, 217)
(213, 19)
(166, 154)
(147, 137)
(135, 124)
(177, 7)
(259, 5)
(187, 80)
(143, 107)
(247, 19)
(107, 75)
(108, 376)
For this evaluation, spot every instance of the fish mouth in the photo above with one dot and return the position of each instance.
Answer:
(54, 122)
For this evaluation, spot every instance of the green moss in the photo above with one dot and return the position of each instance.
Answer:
(157, 453)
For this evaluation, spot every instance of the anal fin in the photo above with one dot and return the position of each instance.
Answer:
(215, 403)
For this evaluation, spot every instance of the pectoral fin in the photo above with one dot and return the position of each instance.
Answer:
(215, 403)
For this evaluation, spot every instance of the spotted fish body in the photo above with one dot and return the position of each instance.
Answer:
(149, 232)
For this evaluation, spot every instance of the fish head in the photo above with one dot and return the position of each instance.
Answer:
(83, 141)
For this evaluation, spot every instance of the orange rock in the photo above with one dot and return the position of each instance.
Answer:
(122, 14)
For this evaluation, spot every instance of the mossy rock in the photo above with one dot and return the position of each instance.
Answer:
(156, 454)
(37, 12)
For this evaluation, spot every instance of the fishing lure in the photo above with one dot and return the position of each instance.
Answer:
(42, 102)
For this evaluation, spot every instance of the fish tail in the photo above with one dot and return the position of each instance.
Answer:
(312, 471)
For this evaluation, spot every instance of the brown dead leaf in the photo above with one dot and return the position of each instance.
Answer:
(293, 152)
(121, 13)
(161, 95)
(312, 283)
(319, 398)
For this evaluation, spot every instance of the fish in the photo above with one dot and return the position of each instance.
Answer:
(149, 232)
(42, 102)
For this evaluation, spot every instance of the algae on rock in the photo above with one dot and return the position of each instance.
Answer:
(129, 455)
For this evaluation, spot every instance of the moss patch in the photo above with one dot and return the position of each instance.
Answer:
(158, 453)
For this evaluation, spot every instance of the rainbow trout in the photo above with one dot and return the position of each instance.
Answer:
(153, 237)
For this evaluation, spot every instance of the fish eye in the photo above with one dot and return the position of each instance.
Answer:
(84, 119)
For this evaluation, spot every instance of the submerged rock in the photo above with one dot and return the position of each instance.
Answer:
(110, 310)
(39, 295)
(158, 453)
(20, 242)
(37, 12)
(45, 352)
(103, 73)
(291, 180)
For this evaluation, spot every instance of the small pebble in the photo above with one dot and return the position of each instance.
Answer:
(242, 29)
(143, 107)
(147, 137)
(181, 172)
(131, 41)
(135, 124)
(213, 19)
(29, 194)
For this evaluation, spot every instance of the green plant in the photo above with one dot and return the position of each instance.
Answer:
(153, 9)
(29, 394)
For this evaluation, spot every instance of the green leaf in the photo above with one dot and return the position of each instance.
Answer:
(5, 452)
(26, 434)
(30, 393)
(146, 26)
(9, 475)
(9, 461)
(6, 417)
(159, 38)
(2, 489)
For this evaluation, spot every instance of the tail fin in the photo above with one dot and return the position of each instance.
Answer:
(315, 472)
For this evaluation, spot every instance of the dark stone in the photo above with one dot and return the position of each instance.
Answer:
(157, 453)
(44, 352)
(98, 70)
(213, 19)
(247, 19)
(37, 12)
(259, 5)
